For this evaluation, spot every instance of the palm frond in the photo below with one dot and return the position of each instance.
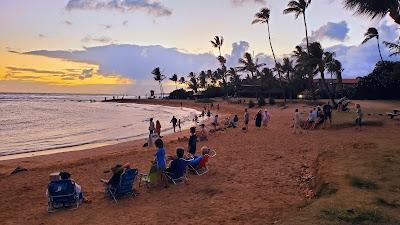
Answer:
(394, 47)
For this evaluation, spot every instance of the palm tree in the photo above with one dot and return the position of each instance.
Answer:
(203, 79)
(263, 17)
(234, 79)
(373, 33)
(193, 83)
(374, 8)
(217, 43)
(394, 47)
(299, 7)
(248, 64)
(335, 68)
(182, 80)
(174, 78)
(159, 77)
(320, 60)
(287, 69)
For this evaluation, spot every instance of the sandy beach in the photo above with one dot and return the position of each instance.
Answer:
(264, 176)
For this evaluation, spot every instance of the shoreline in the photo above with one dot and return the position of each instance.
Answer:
(90, 146)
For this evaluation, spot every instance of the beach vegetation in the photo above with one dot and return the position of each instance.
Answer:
(251, 104)
(362, 183)
(159, 77)
(353, 216)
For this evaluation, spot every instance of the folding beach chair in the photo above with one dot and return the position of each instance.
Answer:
(199, 165)
(125, 186)
(179, 174)
(62, 194)
(151, 178)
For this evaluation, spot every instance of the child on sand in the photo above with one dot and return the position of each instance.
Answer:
(203, 135)
(160, 159)
(151, 126)
(158, 128)
(192, 141)
(266, 118)
(179, 125)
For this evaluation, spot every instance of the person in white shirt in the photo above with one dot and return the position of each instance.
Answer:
(297, 122)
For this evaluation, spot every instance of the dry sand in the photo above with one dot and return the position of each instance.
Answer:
(259, 177)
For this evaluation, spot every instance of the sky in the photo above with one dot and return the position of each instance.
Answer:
(111, 46)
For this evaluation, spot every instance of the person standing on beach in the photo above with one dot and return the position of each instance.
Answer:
(296, 122)
(179, 125)
(246, 120)
(258, 119)
(192, 144)
(174, 121)
(158, 128)
(151, 126)
(359, 116)
(327, 108)
(217, 107)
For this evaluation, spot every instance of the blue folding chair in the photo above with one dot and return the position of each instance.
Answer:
(62, 194)
(125, 186)
(178, 174)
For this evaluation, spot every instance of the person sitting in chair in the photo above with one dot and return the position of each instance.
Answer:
(178, 164)
(198, 158)
(66, 177)
(117, 171)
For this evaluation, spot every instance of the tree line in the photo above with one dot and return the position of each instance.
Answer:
(294, 74)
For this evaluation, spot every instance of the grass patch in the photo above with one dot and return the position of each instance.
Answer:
(353, 216)
(362, 183)
(327, 189)
(382, 202)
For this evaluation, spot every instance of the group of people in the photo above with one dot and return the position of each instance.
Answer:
(321, 116)
(155, 128)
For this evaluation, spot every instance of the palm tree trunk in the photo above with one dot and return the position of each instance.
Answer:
(161, 90)
(379, 48)
(327, 88)
(276, 63)
(305, 25)
(219, 48)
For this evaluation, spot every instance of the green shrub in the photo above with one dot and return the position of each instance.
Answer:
(362, 183)
(251, 104)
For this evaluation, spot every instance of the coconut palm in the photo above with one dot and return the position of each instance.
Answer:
(335, 69)
(373, 33)
(235, 80)
(394, 47)
(217, 43)
(159, 77)
(375, 8)
(287, 68)
(299, 8)
(174, 78)
(263, 17)
(182, 80)
(320, 61)
(193, 83)
(248, 64)
(203, 79)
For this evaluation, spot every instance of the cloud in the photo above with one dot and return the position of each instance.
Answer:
(154, 8)
(88, 73)
(125, 22)
(18, 69)
(360, 60)
(241, 2)
(238, 50)
(332, 31)
(102, 39)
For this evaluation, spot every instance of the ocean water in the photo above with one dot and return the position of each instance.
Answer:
(32, 123)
